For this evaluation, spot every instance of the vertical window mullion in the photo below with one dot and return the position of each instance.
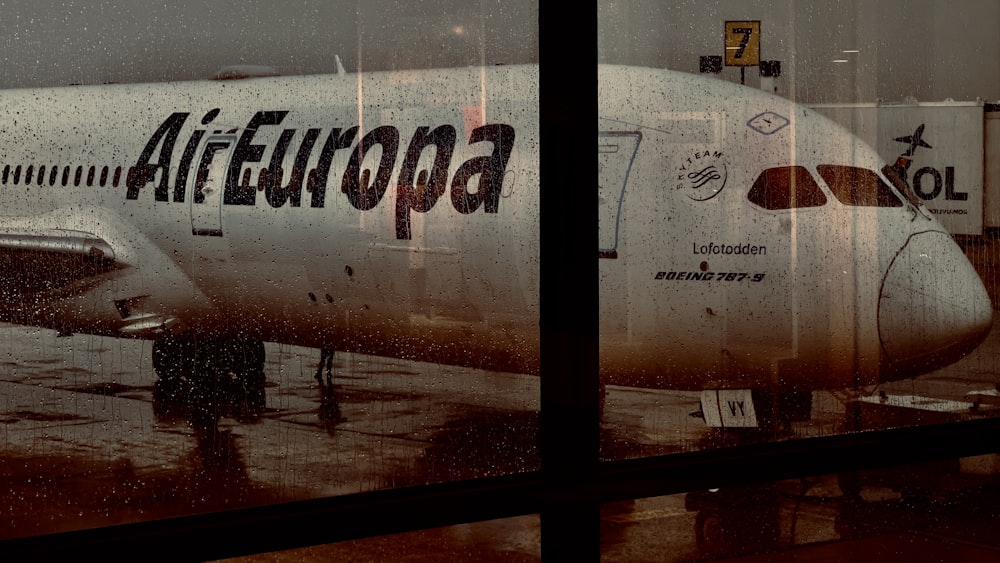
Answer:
(569, 275)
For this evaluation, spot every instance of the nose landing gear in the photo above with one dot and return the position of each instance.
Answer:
(209, 376)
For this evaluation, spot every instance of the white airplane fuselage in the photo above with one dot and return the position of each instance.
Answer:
(397, 214)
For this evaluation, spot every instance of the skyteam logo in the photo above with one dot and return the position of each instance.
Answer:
(702, 175)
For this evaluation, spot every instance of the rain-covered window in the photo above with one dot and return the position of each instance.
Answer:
(348, 317)
(184, 334)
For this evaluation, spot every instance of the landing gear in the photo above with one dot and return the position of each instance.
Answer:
(211, 376)
(777, 411)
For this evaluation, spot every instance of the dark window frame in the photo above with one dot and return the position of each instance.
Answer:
(569, 488)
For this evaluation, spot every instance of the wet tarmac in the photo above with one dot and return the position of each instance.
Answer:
(85, 445)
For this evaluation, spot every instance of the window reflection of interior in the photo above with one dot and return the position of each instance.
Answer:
(857, 186)
(786, 187)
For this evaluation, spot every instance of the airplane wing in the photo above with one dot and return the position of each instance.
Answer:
(38, 262)
(86, 268)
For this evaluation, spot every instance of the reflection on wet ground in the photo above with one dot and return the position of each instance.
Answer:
(52, 492)
(86, 445)
(795, 520)
(808, 519)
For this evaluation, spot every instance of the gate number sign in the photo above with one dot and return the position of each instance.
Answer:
(742, 43)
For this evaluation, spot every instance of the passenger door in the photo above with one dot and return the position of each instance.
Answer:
(208, 184)
(616, 154)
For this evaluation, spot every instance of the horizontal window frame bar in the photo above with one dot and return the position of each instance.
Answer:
(356, 516)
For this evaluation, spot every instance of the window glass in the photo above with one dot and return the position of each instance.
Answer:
(741, 307)
(788, 187)
(857, 186)
(350, 302)
(201, 336)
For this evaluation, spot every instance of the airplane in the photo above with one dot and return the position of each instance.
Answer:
(901, 166)
(915, 140)
(749, 247)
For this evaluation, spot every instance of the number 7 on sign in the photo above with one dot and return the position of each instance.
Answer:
(747, 32)
(742, 42)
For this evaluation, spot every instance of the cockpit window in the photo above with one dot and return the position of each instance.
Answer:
(858, 186)
(786, 187)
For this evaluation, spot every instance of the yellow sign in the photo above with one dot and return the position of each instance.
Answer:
(743, 43)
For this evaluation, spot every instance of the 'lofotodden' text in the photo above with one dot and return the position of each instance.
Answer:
(728, 249)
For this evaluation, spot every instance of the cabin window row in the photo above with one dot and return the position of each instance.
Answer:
(88, 176)
(792, 187)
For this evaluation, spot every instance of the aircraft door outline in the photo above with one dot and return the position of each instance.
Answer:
(616, 151)
(208, 184)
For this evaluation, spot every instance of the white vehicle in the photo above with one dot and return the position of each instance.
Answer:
(746, 242)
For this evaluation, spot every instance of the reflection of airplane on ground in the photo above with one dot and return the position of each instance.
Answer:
(745, 242)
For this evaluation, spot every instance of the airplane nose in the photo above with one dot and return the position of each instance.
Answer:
(933, 308)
